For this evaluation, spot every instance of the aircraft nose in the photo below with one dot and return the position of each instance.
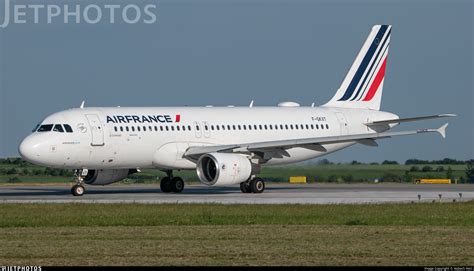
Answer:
(28, 149)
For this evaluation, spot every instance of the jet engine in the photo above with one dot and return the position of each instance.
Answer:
(221, 169)
(106, 176)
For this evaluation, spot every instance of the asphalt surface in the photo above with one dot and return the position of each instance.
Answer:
(273, 194)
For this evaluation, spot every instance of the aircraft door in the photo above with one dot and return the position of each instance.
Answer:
(197, 130)
(207, 129)
(342, 123)
(96, 130)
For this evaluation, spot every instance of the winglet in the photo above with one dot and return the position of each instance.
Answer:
(442, 130)
(82, 105)
(251, 104)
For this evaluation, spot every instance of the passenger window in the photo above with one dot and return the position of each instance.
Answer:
(133, 128)
(69, 129)
(260, 127)
(189, 127)
(172, 128)
(250, 127)
(317, 126)
(296, 126)
(217, 127)
(45, 128)
(58, 128)
(238, 126)
(206, 128)
(121, 129)
(144, 128)
(327, 126)
(245, 127)
(184, 128)
(149, 128)
(156, 129)
(161, 128)
(115, 128)
(223, 127)
(138, 128)
(197, 127)
(212, 127)
(126, 128)
(177, 127)
(167, 129)
(233, 127)
(312, 126)
(271, 127)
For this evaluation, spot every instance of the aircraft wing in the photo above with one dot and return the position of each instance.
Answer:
(409, 119)
(278, 148)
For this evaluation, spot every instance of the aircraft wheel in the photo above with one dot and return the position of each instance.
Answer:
(257, 185)
(244, 187)
(165, 185)
(78, 190)
(177, 184)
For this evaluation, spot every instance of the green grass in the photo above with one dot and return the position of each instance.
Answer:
(135, 234)
(66, 215)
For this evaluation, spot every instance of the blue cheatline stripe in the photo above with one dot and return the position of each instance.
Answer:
(365, 62)
(371, 66)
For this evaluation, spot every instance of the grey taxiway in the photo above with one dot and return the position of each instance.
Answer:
(274, 194)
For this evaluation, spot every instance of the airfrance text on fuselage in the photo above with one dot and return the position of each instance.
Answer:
(142, 119)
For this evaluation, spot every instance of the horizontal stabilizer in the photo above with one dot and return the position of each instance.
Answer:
(410, 119)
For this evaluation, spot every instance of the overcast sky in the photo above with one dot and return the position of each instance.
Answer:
(230, 52)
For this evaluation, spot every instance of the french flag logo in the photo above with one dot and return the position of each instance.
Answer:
(178, 118)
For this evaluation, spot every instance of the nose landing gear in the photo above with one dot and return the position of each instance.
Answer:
(171, 184)
(78, 189)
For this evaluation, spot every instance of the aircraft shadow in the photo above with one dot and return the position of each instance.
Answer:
(49, 191)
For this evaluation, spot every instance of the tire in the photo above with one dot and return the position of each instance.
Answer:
(257, 185)
(78, 190)
(177, 185)
(165, 185)
(244, 187)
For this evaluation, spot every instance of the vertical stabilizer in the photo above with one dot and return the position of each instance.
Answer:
(362, 87)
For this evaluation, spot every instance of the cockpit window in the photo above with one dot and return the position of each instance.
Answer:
(45, 128)
(68, 128)
(58, 128)
(36, 128)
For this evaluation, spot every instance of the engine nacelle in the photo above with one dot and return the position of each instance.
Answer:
(221, 169)
(106, 176)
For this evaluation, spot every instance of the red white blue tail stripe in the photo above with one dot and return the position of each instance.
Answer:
(370, 72)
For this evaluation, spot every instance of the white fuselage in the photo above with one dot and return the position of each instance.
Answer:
(141, 137)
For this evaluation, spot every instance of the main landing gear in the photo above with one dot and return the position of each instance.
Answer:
(171, 184)
(78, 189)
(255, 185)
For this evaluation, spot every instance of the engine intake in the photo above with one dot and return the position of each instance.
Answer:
(221, 169)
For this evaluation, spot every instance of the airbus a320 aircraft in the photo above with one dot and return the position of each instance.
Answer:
(226, 145)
